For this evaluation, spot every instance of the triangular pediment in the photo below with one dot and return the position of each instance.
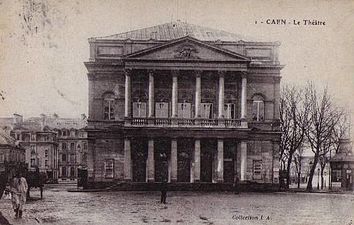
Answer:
(186, 49)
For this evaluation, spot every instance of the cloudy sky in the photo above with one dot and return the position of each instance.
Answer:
(43, 43)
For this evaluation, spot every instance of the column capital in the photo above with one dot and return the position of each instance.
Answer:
(221, 73)
(151, 71)
(244, 74)
(198, 73)
(127, 71)
(175, 73)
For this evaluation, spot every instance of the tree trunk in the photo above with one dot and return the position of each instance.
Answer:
(312, 172)
(288, 171)
(298, 179)
(322, 179)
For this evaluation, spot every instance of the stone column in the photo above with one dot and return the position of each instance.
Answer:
(243, 152)
(127, 97)
(196, 171)
(173, 160)
(221, 94)
(151, 162)
(220, 161)
(244, 97)
(127, 160)
(198, 84)
(174, 93)
(151, 95)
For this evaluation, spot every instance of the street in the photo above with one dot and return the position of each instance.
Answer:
(62, 207)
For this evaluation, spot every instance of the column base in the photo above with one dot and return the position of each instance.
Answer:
(151, 180)
(173, 180)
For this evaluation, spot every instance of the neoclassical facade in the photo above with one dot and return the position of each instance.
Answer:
(185, 104)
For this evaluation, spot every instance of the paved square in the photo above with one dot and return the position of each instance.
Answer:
(62, 207)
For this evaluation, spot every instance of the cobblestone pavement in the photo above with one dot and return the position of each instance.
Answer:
(62, 207)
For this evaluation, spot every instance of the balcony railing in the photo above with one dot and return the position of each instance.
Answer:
(182, 122)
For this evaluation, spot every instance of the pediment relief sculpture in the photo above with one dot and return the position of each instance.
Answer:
(186, 52)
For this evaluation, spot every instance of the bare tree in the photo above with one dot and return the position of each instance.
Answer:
(324, 116)
(293, 119)
(298, 156)
(331, 145)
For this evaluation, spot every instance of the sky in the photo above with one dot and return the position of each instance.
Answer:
(44, 43)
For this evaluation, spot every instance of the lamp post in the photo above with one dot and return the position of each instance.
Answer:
(318, 179)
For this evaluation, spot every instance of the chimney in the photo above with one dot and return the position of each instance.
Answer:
(18, 119)
(43, 120)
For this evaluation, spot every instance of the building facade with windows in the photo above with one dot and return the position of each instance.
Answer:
(72, 144)
(41, 147)
(185, 104)
(342, 166)
(12, 156)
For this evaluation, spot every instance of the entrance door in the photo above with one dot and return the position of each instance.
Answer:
(208, 148)
(229, 161)
(139, 155)
(162, 149)
(184, 156)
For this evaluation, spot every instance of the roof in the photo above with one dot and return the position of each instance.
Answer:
(6, 139)
(175, 30)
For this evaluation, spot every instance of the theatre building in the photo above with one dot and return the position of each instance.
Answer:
(184, 104)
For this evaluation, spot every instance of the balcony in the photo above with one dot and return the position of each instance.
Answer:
(184, 122)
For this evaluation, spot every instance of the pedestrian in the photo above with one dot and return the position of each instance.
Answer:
(163, 191)
(18, 189)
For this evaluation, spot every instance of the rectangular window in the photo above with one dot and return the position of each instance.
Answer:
(161, 109)
(109, 168)
(108, 109)
(258, 110)
(72, 157)
(139, 109)
(63, 146)
(184, 110)
(257, 169)
(72, 146)
(85, 146)
(206, 110)
(46, 163)
(46, 153)
(336, 175)
(33, 150)
(229, 111)
(63, 157)
(33, 162)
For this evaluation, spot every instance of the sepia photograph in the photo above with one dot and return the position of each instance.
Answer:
(176, 112)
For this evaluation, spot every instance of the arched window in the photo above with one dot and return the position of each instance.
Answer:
(258, 108)
(108, 106)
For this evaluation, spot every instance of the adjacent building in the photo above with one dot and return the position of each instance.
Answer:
(12, 156)
(56, 146)
(342, 166)
(40, 144)
(72, 147)
(185, 104)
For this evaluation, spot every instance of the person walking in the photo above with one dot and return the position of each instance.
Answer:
(18, 189)
(163, 192)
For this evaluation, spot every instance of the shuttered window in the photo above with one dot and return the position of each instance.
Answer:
(161, 109)
(109, 168)
(206, 110)
(257, 169)
(139, 109)
(229, 111)
(184, 110)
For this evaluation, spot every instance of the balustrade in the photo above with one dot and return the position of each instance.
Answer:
(184, 122)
